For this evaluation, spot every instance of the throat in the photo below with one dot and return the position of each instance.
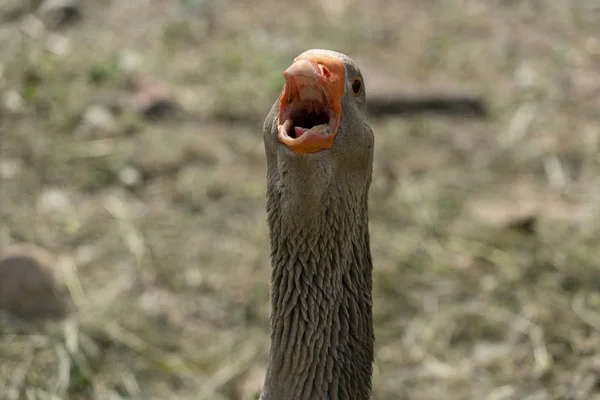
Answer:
(321, 319)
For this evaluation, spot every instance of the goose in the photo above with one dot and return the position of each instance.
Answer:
(319, 153)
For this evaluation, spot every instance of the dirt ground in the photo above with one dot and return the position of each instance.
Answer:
(485, 232)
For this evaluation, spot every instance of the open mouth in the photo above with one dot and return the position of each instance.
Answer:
(309, 111)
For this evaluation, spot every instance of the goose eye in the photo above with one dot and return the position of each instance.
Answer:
(356, 85)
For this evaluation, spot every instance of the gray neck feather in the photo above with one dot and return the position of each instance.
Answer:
(321, 320)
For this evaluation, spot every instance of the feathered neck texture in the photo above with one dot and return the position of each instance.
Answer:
(321, 295)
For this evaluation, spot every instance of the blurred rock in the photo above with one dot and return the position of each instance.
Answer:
(522, 204)
(153, 99)
(27, 283)
(54, 200)
(9, 168)
(193, 277)
(506, 214)
(98, 121)
(32, 26)
(60, 13)
(130, 176)
(129, 60)
(525, 75)
(12, 101)
(58, 44)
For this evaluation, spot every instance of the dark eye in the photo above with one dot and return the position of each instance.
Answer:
(357, 85)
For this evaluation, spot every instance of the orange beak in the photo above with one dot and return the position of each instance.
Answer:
(311, 103)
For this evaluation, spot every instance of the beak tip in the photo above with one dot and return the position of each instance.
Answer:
(302, 67)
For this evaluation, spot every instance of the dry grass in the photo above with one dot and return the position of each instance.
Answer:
(485, 234)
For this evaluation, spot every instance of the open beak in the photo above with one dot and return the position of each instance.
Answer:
(311, 103)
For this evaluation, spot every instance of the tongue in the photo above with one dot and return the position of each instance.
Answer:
(322, 129)
(299, 131)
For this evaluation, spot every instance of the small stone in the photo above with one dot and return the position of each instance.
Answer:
(9, 168)
(99, 120)
(525, 76)
(130, 176)
(194, 277)
(32, 26)
(13, 102)
(54, 200)
(153, 99)
(58, 44)
(506, 213)
(27, 283)
(129, 60)
(85, 254)
(60, 13)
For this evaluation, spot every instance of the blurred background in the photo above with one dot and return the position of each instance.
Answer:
(133, 238)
